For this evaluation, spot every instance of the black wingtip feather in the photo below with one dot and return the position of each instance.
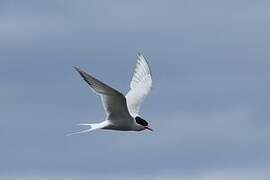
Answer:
(76, 68)
(82, 74)
(79, 71)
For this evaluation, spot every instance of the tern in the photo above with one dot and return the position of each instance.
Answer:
(122, 112)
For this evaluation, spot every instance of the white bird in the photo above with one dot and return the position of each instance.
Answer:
(122, 112)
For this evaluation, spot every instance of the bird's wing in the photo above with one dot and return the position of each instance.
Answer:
(114, 102)
(140, 86)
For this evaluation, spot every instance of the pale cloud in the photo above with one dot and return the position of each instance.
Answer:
(211, 174)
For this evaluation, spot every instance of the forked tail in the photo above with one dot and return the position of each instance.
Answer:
(92, 127)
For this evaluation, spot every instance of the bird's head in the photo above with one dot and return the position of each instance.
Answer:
(142, 123)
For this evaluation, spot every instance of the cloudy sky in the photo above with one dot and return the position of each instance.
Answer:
(209, 105)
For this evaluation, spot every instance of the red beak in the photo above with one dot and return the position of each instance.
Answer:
(149, 128)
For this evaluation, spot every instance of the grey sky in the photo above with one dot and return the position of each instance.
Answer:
(209, 105)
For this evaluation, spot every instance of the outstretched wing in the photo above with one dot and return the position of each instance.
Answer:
(140, 86)
(114, 102)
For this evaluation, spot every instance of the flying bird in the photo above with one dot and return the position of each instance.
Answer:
(122, 112)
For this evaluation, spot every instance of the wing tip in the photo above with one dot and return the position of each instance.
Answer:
(81, 72)
(143, 58)
(77, 69)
